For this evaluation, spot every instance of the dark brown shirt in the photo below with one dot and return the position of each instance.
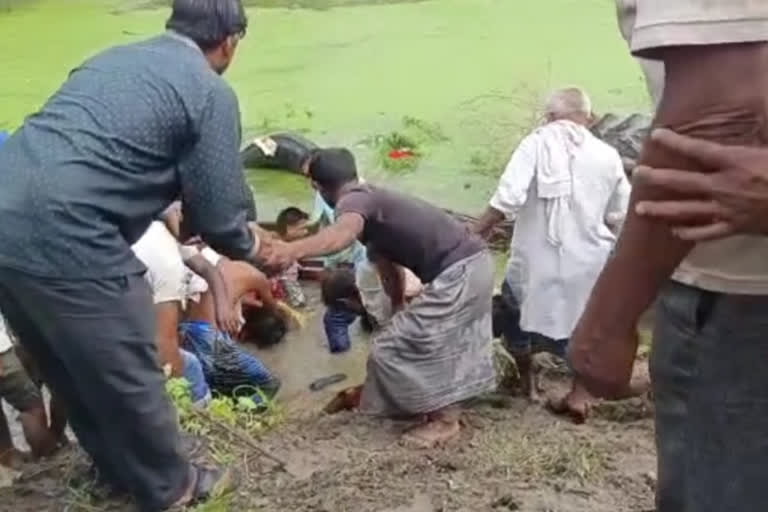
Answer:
(409, 231)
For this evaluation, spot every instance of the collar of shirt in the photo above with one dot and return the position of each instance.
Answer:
(184, 39)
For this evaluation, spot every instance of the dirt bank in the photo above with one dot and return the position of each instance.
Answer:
(511, 456)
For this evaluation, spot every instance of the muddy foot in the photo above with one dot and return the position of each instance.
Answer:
(534, 396)
(14, 459)
(431, 434)
(574, 407)
(346, 400)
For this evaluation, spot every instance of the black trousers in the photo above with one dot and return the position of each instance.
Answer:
(94, 342)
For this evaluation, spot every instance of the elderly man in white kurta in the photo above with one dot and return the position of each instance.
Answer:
(567, 193)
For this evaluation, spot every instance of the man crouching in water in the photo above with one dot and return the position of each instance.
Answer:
(436, 351)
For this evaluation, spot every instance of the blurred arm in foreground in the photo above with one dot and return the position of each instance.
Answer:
(727, 105)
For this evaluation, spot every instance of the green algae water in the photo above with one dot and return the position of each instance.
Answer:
(344, 72)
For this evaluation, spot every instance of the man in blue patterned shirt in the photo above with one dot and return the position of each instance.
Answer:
(131, 129)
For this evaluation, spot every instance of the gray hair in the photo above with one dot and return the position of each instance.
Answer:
(208, 22)
(569, 101)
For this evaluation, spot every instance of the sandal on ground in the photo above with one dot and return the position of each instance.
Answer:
(324, 382)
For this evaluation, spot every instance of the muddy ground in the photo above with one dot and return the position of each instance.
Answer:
(511, 456)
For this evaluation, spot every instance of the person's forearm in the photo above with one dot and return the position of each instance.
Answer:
(487, 221)
(168, 351)
(393, 281)
(328, 241)
(715, 93)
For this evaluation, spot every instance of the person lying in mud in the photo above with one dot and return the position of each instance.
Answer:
(568, 194)
(348, 295)
(20, 391)
(435, 352)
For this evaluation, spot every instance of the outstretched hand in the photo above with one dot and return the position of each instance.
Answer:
(730, 199)
(277, 254)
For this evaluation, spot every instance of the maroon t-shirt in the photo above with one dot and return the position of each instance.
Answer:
(409, 231)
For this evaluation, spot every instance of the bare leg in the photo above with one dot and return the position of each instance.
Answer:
(9, 456)
(41, 440)
(528, 378)
(441, 426)
(58, 420)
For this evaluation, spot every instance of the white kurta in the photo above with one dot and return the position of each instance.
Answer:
(553, 282)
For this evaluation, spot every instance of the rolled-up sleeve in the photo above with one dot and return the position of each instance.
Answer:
(217, 201)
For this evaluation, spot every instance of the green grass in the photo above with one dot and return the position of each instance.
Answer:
(476, 68)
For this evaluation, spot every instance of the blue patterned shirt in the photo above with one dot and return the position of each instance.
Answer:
(131, 129)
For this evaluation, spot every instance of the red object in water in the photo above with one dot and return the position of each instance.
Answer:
(396, 154)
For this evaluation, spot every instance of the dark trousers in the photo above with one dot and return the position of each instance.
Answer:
(711, 393)
(94, 343)
(336, 321)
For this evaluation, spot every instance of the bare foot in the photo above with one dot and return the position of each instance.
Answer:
(431, 434)
(346, 400)
(14, 459)
(640, 386)
(575, 404)
(441, 426)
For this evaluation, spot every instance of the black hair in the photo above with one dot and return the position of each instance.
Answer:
(338, 285)
(263, 327)
(208, 22)
(290, 217)
(333, 167)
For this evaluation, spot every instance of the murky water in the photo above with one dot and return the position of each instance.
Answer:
(476, 68)
(304, 357)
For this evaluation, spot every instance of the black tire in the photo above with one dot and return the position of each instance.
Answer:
(291, 150)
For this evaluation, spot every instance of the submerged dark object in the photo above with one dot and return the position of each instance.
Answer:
(284, 151)
(324, 382)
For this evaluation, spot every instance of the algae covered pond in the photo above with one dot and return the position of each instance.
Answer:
(348, 71)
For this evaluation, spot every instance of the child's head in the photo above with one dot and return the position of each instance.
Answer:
(292, 223)
(264, 328)
(339, 288)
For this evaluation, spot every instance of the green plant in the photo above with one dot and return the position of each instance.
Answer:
(239, 411)
(404, 148)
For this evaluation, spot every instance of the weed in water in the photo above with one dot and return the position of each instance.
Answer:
(403, 149)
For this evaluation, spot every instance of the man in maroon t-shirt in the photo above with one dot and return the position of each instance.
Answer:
(435, 352)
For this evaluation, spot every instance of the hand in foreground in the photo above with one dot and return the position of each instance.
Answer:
(731, 199)
(227, 317)
(276, 254)
(602, 365)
